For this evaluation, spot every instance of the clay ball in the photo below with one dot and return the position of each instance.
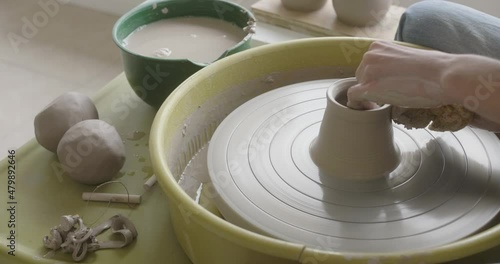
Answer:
(92, 152)
(61, 114)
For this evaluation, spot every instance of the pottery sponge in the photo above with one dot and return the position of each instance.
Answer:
(444, 118)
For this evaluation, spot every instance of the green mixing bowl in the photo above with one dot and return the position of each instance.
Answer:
(188, 118)
(169, 73)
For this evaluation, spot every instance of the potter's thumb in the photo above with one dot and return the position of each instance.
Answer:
(355, 98)
(357, 93)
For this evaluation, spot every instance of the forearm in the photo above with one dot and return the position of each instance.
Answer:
(474, 82)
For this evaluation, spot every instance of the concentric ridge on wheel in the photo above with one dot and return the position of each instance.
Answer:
(446, 186)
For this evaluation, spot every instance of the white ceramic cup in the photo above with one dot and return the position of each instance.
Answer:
(303, 5)
(361, 12)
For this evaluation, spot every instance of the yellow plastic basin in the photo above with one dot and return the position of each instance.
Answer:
(187, 119)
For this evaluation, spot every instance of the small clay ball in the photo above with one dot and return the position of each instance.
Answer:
(61, 114)
(92, 152)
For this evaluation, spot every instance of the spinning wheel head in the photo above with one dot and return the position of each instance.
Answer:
(287, 164)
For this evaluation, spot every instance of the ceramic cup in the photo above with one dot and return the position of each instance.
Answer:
(303, 5)
(361, 12)
(354, 144)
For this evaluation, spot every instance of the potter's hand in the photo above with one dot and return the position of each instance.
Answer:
(399, 75)
(415, 78)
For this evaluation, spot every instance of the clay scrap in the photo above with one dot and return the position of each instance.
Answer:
(72, 236)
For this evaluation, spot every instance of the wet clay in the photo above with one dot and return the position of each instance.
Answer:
(62, 113)
(200, 39)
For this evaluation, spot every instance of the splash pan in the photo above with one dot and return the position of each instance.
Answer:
(416, 203)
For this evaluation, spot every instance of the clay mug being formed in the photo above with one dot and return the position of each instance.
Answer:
(354, 144)
(303, 5)
(361, 12)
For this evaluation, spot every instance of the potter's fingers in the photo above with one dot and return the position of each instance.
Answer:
(357, 105)
(369, 97)
(362, 105)
(357, 93)
(370, 105)
(370, 66)
(356, 99)
(386, 47)
(377, 45)
(381, 46)
(360, 72)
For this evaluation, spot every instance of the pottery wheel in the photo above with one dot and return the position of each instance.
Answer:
(445, 188)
